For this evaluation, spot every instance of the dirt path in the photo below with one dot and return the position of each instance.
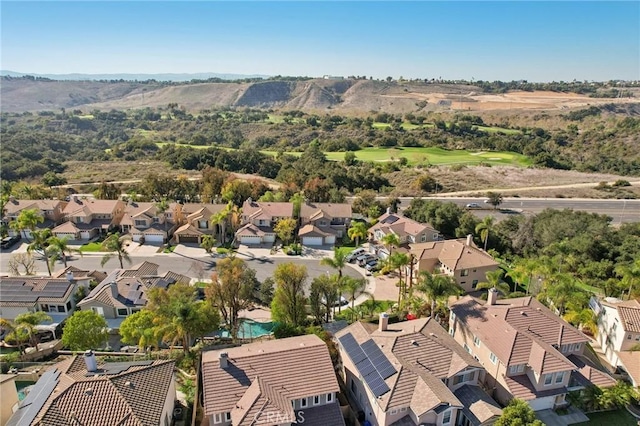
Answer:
(529, 188)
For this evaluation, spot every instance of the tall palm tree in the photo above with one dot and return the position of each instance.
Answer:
(494, 280)
(40, 244)
(221, 219)
(357, 231)
(390, 241)
(162, 206)
(338, 261)
(630, 275)
(116, 246)
(27, 219)
(60, 248)
(484, 228)
(354, 287)
(437, 287)
(399, 261)
(583, 319)
(23, 327)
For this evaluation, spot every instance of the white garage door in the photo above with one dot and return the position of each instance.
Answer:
(312, 241)
(136, 237)
(269, 238)
(154, 238)
(331, 239)
(250, 240)
(541, 403)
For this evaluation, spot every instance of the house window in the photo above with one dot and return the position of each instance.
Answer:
(423, 238)
(446, 417)
(464, 273)
(462, 378)
(217, 418)
(559, 377)
(493, 358)
(68, 305)
(122, 312)
(548, 378)
(329, 398)
(227, 416)
(45, 308)
(476, 341)
(316, 400)
(98, 310)
(140, 223)
(61, 308)
(467, 348)
(513, 369)
(156, 219)
(452, 331)
(474, 284)
(203, 224)
(303, 402)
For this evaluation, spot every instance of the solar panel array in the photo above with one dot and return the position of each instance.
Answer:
(370, 364)
(35, 400)
(24, 291)
(390, 219)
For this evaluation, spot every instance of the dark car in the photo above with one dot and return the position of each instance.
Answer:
(362, 261)
(9, 242)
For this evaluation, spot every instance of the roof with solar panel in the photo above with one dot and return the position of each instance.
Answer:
(407, 364)
(26, 291)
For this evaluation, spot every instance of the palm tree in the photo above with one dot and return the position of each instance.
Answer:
(436, 287)
(338, 261)
(115, 245)
(221, 219)
(494, 280)
(483, 228)
(40, 244)
(630, 276)
(60, 248)
(27, 219)
(390, 240)
(23, 327)
(399, 261)
(162, 206)
(354, 287)
(583, 319)
(356, 231)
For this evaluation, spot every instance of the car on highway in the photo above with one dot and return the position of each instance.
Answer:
(473, 206)
(351, 257)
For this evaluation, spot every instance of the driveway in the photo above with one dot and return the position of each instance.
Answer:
(147, 249)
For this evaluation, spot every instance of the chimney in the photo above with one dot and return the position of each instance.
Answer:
(12, 199)
(469, 239)
(70, 276)
(74, 198)
(383, 323)
(388, 210)
(90, 360)
(492, 296)
(224, 360)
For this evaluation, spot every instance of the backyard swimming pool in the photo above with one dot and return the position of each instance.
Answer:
(250, 329)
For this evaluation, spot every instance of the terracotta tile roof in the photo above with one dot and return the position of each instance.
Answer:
(79, 207)
(252, 230)
(288, 369)
(131, 394)
(631, 362)
(253, 210)
(521, 387)
(314, 211)
(310, 230)
(400, 225)
(13, 207)
(322, 415)
(188, 230)
(629, 312)
(141, 269)
(478, 407)
(66, 227)
(455, 254)
(190, 208)
(80, 274)
(27, 291)
(588, 373)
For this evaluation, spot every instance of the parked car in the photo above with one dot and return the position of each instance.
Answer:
(473, 206)
(351, 257)
(9, 242)
(372, 265)
(363, 260)
(339, 302)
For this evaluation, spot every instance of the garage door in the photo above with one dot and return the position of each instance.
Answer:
(154, 238)
(187, 240)
(249, 240)
(269, 238)
(541, 403)
(331, 239)
(312, 241)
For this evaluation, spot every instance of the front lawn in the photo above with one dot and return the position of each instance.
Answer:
(91, 247)
(619, 417)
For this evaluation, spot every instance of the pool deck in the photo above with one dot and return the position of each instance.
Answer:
(258, 314)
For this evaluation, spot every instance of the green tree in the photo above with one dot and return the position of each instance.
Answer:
(337, 262)
(518, 413)
(53, 179)
(28, 219)
(390, 241)
(494, 280)
(495, 199)
(357, 231)
(630, 277)
(437, 287)
(266, 291)
(484, 228)
(23, 328)
(84, 330)
(327, 287)
(162, 206)
(139, 329)
(40, 244)
(400, 261)
(221, 219)
(60, 248)
(231, 290)
(285, 228)
(297, 199)
(208, 243)
(354, 287)
(288, 300)
(115, 246)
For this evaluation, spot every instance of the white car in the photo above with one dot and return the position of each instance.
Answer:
(473, 206)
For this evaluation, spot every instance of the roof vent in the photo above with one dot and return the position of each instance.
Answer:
(523, 313)
(432, 335)
(301, 344)
(88, 391)
(413, 342)
(129, 384)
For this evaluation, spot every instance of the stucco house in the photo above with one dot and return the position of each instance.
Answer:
(459, 258)
(276, 382)
(408, 231)
(528, 352)
(259, 219)
(79, 391)
(323, 223)
(50, 210)
(85, 219)
(412, 373)
(145, 220)
(193, 221)
(619, 333)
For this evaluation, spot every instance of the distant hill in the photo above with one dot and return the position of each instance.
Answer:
(135, 77)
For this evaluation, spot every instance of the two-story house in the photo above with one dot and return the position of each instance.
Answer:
(408, 231)
(459, 258)
(79, 391)
(619, 333)
(124, 291)
(88, 218)
(412, 373)
(259, 219)
(144, 220)
(194, 221)
(528, 352)
(277, 382)
(323, 223)
(50, 210)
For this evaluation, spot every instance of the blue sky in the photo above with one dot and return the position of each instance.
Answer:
(536, 41)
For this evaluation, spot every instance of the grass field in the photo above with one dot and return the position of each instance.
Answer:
(619, 417)
(91, 247)
(418, 155)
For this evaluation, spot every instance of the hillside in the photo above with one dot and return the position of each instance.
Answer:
(348, 96)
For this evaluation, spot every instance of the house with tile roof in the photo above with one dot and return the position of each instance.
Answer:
(124, 291)
(323, 223)
(528, 352)
(50, 210)
(408, 231)
(53, 295)
(193, 221)
(274, 382)
(79, 391)
(144, 220)
(412, 373)
(87, 218)
(259, 219)
(459, 258)
(619, 333)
